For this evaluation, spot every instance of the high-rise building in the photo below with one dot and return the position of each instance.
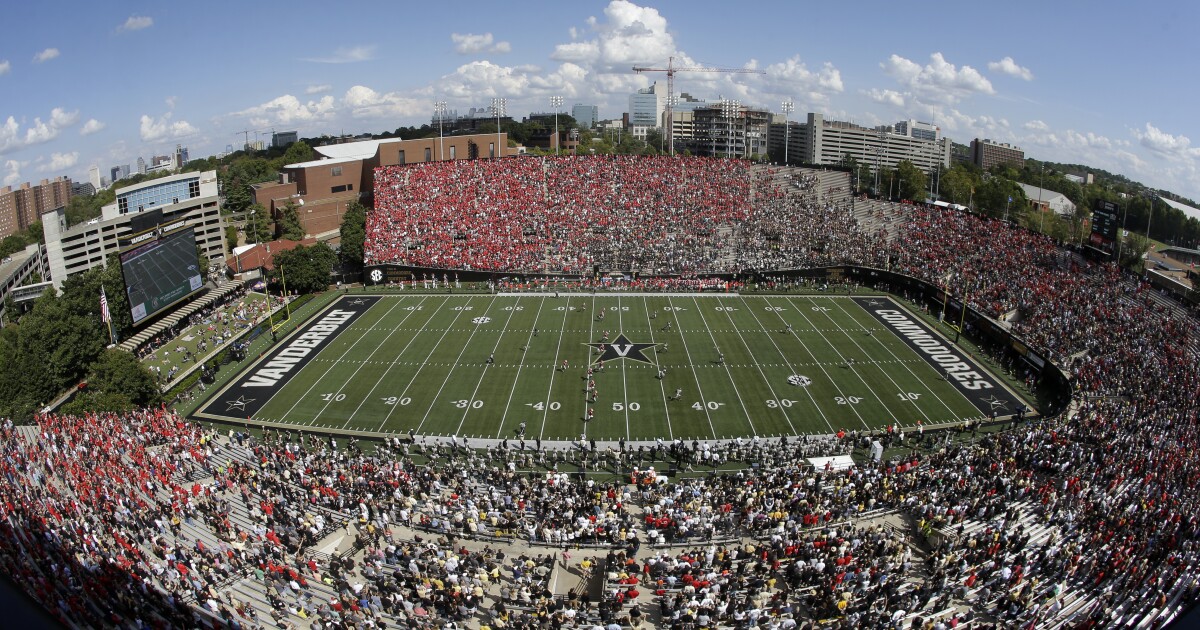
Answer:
(141, 166)
(181, 156)
(918, 130)
(742, 135)
(646, 106)
(23, 206)
(94, 177)
(819, 141)
(281, 139)
(585, 115)
(986, 154)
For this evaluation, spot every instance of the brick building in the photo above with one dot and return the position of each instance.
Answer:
(24, 206)
(322, 189)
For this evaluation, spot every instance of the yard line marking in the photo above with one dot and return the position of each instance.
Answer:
(483, 373)
(457, 361)
(368, 360)
(729, 314)
(554, 366)
(661, 385)
(624, 382)
(699, 390)
(592, 314)
(516, 379)
(736, 390)
(391, 364)
(909, 369)
(815, 363)
(423, 363)
(859, 346)
(345, 352)
(842, 359)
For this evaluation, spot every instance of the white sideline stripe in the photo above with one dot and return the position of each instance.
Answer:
(599, 294)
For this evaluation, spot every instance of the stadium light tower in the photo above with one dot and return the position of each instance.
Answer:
(499, 106)
(729, 109)
(439, 110)
(788, 107)
(556, 102)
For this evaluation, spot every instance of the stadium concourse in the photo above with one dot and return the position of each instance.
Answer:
(1089, 519)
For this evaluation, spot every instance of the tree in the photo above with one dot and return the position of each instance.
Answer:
(298, 152)
(203, 261)
(231, 237)
(306, 269)
(993, 198)
(1132, 252)
(959, 184)
(911, 181)
(289, 223)
(354, 234)
(259, 226)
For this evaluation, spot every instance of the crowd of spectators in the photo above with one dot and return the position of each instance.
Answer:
(651, 215)
(190, 340)
(1089, 519)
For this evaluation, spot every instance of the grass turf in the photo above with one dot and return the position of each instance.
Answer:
(420, 362)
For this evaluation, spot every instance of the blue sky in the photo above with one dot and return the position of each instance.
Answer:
(87, 84)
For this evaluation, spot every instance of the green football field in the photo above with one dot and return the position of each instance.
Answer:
(481, 365)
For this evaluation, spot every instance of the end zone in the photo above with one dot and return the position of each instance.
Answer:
(972, 381)
(251, 390)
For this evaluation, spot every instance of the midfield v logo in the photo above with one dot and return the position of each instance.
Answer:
(622, 348)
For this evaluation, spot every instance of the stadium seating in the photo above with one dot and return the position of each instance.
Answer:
(1089, 519)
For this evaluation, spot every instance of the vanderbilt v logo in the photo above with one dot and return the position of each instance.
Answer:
(622, 348)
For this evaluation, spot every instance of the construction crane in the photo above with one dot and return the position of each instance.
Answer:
(671, 70)
(246, 136)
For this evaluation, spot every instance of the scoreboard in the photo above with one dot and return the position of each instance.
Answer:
(1104, 225)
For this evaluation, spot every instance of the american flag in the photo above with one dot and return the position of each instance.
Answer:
(104, 314)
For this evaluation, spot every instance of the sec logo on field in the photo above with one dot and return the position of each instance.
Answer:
(799, 380)
(376, 275)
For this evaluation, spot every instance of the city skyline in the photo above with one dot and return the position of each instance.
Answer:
(1065, 83)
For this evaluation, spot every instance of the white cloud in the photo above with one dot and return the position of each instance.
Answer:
(318, 89)
(12, 175)
(470, 44)
(631, 34)
(60, 162)
(793, 77)
(363, 102)
(939, 81)
(136, 23)
(170, 101)
(5, 67)
(484, 79)
(1164, 143)
(12, 138)
(346, 55)
(1010, 67)
(288, 109)
(91, 126)
(886, 97)
(1036, 125)
(45, 55)
(163, 128)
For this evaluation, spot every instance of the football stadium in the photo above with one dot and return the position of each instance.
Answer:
(614, 391)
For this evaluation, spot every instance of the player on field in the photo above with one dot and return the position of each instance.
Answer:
(564, 366)
(600, 365)
(591, 413)
(491, 358)
(678, 393)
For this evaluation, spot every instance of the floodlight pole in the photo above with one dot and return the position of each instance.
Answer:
(788, 107)
(556, 102)
(498, 106)
(439, 110)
